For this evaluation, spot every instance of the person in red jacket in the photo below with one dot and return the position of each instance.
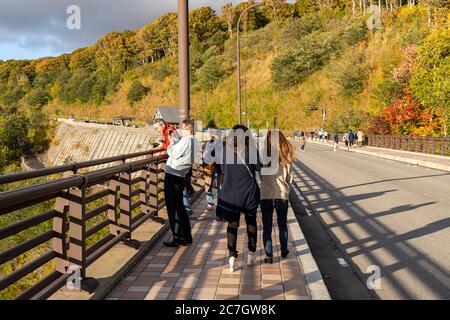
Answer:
(166, 130)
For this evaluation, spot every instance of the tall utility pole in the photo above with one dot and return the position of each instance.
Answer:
(238, 47)
(183, 59)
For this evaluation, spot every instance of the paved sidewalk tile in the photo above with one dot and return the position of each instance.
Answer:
(201, 271)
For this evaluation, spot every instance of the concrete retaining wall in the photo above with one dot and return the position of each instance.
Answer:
(75, 142)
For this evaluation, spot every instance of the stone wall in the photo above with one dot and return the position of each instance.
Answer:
(76, 142)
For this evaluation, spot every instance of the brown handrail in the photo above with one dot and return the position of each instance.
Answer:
(74, 167)
(133, 194)
(72, 194)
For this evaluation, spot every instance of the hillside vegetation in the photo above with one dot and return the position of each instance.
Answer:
(393, 80)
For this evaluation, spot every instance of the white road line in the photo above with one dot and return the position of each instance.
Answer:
(304, 203)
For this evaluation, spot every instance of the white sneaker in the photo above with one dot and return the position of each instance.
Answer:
(233, 264)
(250, 258)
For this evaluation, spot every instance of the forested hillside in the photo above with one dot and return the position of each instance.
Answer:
(393, 80)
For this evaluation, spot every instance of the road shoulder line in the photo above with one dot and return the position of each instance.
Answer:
(313, 276)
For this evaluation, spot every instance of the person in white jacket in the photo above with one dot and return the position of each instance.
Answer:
(275, 191)
(181, 159)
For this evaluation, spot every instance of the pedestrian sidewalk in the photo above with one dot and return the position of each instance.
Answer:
(414, 158)
(201, 271)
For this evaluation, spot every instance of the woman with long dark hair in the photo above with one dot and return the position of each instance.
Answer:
(240, 191)
(275, 190)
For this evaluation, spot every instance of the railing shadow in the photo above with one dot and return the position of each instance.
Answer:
(435, 277)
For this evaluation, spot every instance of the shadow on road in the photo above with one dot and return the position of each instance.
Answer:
(427, 271)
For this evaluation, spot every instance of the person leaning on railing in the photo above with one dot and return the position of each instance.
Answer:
(178, 165)
(166, 130)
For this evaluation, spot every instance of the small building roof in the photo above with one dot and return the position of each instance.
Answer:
(168, 114)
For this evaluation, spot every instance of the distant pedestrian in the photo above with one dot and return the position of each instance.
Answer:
(302, 142)
(336, 141)
(275, 191)
(239, 193)
(345, 139)
(325, 136)
(351, 138)
(360, 136)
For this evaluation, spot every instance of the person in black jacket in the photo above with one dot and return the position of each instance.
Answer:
(240, 192)
(336, 141)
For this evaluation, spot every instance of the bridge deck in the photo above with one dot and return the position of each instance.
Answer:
(201, 270)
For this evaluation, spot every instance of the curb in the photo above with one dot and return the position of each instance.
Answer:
(313, 276)
(415, 162)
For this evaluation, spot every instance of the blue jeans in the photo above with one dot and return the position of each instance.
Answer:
(186, 201)
(281, 207)
(209, 192)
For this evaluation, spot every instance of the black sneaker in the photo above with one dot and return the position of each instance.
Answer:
(268, 260)
(186, 242)
(284, 254)
(171, 244)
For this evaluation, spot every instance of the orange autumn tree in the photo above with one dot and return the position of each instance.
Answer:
(406, 116)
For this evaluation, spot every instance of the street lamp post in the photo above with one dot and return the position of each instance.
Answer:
(238, 46)
(183, 59)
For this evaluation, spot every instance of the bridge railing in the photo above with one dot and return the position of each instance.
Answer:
(429, 145)
(89, 214)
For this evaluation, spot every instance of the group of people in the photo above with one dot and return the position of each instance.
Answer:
(319, 135)
(243, 185)
(349, 138)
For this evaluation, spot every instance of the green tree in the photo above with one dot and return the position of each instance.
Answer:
(83, 58)
(304, 7)
(210, 74)
(38, 97)
(160, 36)
(203, 23)
(310, 55)
(137, 92)
(254, 18)
(38, 129)
(431, 82)
(13, 136)
(229, 18)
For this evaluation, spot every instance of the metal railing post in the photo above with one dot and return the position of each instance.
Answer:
(144, 186)
(125, 203)
(153, 187)
(113, 204)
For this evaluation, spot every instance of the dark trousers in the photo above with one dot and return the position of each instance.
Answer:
(178, 217)
(232, 232)
(281, 207)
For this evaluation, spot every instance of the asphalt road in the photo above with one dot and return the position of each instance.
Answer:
(383, 214)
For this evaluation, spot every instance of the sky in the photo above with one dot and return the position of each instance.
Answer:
(30, 29)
